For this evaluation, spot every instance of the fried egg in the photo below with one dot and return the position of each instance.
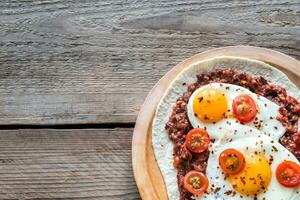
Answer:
(262, 155)
(210, 107)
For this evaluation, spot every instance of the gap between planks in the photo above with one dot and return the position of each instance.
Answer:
(67, 126)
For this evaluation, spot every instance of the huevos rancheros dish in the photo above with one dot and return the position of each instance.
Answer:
(227, 128)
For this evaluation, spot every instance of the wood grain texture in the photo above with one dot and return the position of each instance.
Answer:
(66, 164)
(72, 62)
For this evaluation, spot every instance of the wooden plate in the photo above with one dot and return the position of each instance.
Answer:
(146, 172)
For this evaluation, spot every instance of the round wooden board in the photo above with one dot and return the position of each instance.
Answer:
(146, 172)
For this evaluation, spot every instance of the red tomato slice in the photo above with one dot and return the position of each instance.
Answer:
(244, 108)
(288, 174)
(231, 161)
(195, 182)
(197, 140)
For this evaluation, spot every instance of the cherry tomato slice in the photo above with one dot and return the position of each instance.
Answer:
(195, 182)
(197, 140)
(244, 108)
(288, 174)
(231, 161)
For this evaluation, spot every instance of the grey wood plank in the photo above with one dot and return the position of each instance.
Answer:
(71, 62)
(66, 164)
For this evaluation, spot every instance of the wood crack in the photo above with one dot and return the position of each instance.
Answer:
(67, 126)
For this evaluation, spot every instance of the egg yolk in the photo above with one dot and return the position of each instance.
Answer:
(255, 177)
(210, 105)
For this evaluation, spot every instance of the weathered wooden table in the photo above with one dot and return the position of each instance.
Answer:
(73, 75)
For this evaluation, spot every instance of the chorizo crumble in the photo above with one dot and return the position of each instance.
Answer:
(178, 125)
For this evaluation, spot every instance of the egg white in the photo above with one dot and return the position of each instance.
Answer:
(247, 140)
(266, 115)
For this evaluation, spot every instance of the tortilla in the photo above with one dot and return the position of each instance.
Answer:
(163, 147)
